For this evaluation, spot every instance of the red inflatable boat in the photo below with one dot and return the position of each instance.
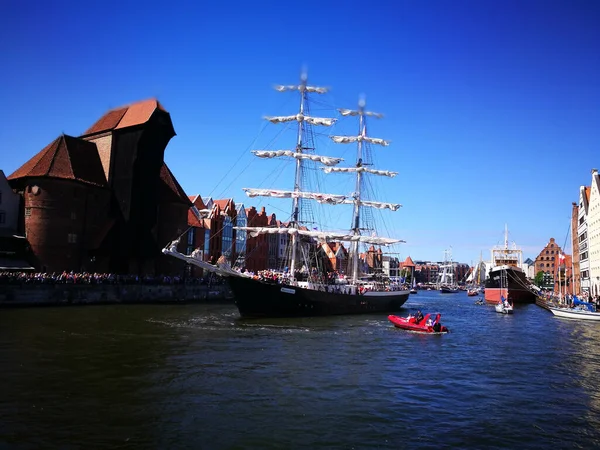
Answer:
(409, 323)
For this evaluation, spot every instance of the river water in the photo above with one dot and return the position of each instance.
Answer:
(197, 376)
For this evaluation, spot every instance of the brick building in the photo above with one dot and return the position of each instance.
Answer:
(257, 248)
(554, 267)
(105, 201)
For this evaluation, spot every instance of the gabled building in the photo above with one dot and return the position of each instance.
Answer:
(241, 220)
(581, 259)
(593, 233)
(547, 262)
(257, 248)
(217, 225)
(105, 201)
(333, 257)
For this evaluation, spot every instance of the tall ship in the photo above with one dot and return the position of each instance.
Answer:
(446, 283)
(304, 287)
(506, 278)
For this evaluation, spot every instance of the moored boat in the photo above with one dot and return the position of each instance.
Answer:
(425, 325)
(580, 310)
(575, 313)
(506, 278)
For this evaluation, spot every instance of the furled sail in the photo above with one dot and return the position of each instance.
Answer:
(378, 205)
(195, 259)
(332, 199)
(352, 139)
(301, 88)
(352, 112)
(385, 173)
(323, 235)
(327, 160)
(301, 118)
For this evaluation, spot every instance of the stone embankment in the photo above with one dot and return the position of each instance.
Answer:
(82, 294)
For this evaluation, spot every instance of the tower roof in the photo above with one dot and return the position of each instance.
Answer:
(408, 262)
(131, 115)
(67, 158)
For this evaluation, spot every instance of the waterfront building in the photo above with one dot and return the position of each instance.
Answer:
(582, 262)
(333, 256)
(105, 201)
(14, 250)
(257, 248)
(576, 251)
(593, 233)
(391, 266)
(282, 247)
(556, 267)
(273, 244)
(426, 272)
(528, 267)
(410, 267)
(241, 220)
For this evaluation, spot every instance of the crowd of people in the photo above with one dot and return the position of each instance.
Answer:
(21, 278)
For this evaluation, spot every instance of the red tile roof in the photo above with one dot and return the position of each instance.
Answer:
(169, 180)
(126, 116)
(67, 158)
(193, 221)
(408, 262)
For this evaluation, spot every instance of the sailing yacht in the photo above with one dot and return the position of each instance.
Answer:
(303, 289)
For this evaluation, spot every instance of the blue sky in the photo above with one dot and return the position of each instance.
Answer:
(492, 107)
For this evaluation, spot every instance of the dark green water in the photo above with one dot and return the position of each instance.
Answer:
(196, 376)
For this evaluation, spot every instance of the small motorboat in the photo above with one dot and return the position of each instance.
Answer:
(426, 325)
(504, 308)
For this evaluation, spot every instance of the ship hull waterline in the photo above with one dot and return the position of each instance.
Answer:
(255, 298)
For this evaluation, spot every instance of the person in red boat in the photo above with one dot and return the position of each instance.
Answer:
(418, 317)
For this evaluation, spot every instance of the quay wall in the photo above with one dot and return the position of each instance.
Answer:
(85, 294)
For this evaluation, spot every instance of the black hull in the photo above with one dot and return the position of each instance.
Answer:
(255, 298)
(517, 289)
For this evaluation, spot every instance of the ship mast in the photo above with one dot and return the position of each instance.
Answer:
(356, 216)
(300, 154)
(359, 168)
(298, 176)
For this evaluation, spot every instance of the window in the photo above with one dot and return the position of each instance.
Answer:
(72, 238)
(73, 215)
(27, 212)
(207, 242)
(227, 236)
(2, 217)
(0, 197)
(190, 237)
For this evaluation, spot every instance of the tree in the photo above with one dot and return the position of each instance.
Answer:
(539, 278)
